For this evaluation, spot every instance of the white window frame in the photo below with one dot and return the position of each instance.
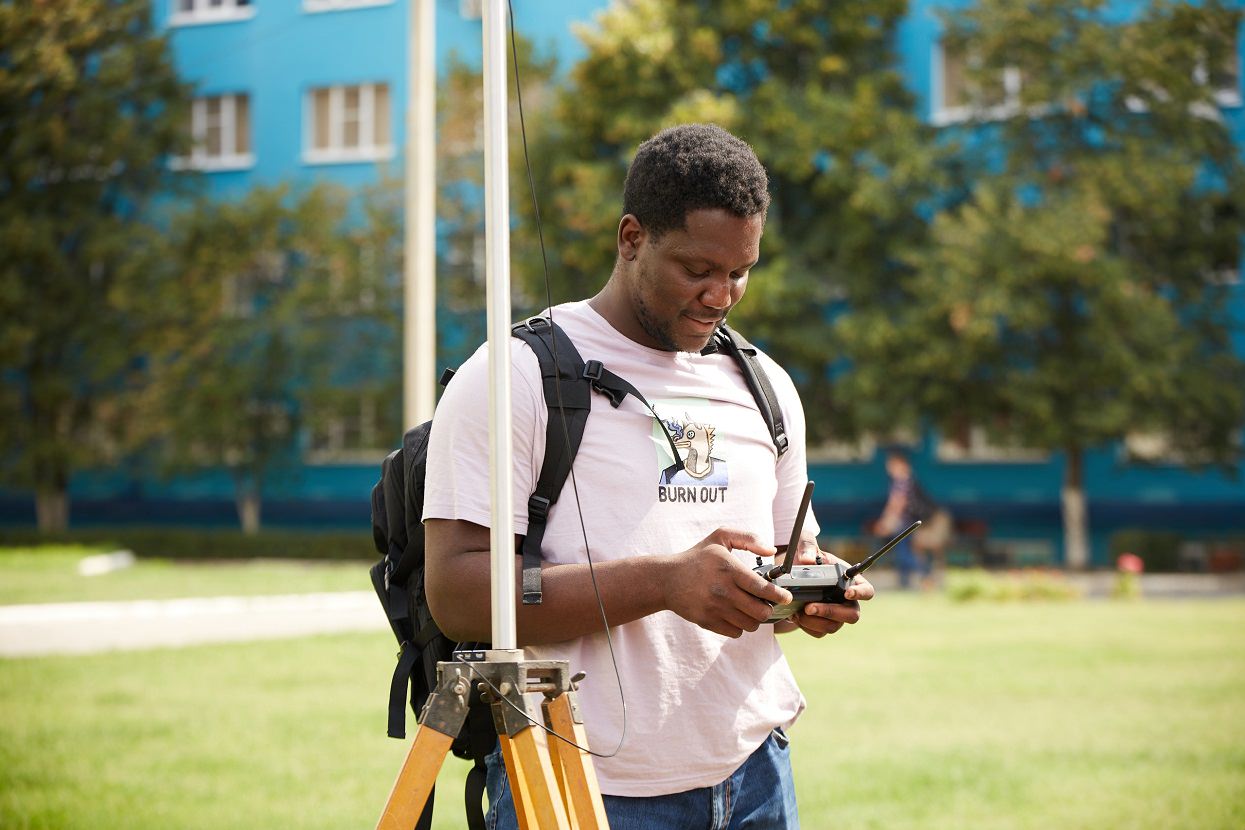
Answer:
(843, 452)
(941, 114)
(229, 157)
(336, 428)
(320, 6)
(335, 153)
(204, 12)
(340, 286)
(1225, 274)
(1154, 448)
(865, 448)
(1225, 96)
(980, 450)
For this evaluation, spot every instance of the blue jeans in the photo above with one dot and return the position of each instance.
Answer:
(760, 795)
(908, 563)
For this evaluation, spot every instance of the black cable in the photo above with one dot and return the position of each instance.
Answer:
(540, 234)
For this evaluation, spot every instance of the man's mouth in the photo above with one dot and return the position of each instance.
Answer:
(705, 326)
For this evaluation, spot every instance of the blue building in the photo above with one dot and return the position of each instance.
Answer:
(308, 90)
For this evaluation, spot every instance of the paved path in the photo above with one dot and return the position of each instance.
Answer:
(83, 627)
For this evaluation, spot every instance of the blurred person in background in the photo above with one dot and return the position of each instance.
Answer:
(907, 502)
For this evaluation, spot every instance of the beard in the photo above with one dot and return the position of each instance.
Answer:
(662, 330)
(654, 328)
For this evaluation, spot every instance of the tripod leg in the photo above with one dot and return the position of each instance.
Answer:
(577, 776)
(537, 801)
(442, 719)
(559, 774)
(415, 780)
(522, 807)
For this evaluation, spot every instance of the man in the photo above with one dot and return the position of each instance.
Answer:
(903, 506)
(706, 688)
(907, 501)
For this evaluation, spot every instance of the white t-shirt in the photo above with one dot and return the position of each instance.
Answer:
(697, 703)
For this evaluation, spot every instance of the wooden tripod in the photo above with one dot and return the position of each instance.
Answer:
(553, 783)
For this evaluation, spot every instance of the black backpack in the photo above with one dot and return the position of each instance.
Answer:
(397, 528)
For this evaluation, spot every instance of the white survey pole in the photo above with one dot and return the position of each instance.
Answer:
(497, 279)
(419, 321)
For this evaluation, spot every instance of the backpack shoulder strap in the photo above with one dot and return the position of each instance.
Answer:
(568, 384)
(565, 389)
(745, 355)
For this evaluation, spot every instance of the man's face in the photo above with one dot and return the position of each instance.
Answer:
(682, 284)
(898, 467)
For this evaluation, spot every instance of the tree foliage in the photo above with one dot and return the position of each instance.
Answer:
(90, 110)
(813, 87)
(1075, 295)
(460, 190)
(274, 307)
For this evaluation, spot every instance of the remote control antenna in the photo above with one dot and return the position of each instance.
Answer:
(851, 572)
(794, 544)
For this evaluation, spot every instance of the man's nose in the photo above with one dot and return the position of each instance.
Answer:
(717, 293)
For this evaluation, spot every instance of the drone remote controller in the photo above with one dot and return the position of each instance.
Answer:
(816, 583)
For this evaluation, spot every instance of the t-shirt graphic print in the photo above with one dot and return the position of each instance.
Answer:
(705, 476)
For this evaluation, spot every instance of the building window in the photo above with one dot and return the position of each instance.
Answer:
(241, 292)
(356, 427)
(864, 449)
(860, 451)
(1219, 219)
(1157, 448)
(341, 5)
(960, 93)
(189, 12)
(348, 123)
(973, 443)
(1225, 81)
(221, 126)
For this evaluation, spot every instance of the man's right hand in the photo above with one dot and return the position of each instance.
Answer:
(710, 586)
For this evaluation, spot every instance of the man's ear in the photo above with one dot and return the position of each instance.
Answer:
(631, 235)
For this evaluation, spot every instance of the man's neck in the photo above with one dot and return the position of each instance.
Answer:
(616, 310)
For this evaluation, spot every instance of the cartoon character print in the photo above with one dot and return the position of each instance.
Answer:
(694, 441)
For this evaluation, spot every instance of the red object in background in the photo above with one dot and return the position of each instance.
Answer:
(1130, 563)
(1225, 559)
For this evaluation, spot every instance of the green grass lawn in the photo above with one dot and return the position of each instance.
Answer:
(928, 714)
(50, 574)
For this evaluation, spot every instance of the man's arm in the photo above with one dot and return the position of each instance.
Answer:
(706, 584)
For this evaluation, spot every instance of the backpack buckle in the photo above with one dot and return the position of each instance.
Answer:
(593, 370)
(536, 323)
(538, 507)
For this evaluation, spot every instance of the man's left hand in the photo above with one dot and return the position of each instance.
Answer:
(822, 618)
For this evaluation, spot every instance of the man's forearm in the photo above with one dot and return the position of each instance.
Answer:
(629, 588)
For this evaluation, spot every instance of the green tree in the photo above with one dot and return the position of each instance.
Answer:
(90, 111)
(274, 306)
(1074, 296)
(460, 187)
(813, 87)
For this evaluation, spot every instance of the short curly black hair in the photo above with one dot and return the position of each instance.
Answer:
(693, 167)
